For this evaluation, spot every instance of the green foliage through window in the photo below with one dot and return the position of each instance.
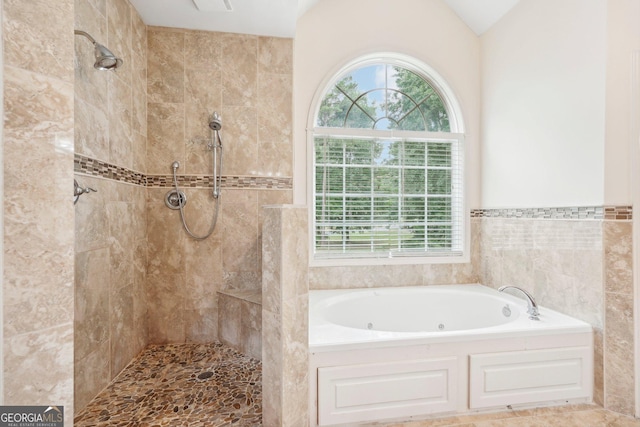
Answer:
(378, 193)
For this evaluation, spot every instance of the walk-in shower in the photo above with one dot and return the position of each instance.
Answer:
(177, 199)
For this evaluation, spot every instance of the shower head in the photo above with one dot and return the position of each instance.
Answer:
(215, 122)
(105, 59)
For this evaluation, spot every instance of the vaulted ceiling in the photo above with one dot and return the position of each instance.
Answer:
(278, 17)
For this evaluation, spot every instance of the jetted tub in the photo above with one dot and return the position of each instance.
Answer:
(411, 352)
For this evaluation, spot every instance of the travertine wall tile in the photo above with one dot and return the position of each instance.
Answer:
(110, 226)
(122, 334)
(240, 235)
(203, 50)
(38, 367)
(558, 261)
(165, 141)
(120, 128)
(191, 74)
(91, 320)
(619, 387)
(230, 319)
(251, 329)
(239, 69)
(618, 257)
(119, 36)
(29, 38)
(91, 374)
(91, 129)
(272, 368)
(38, 296)
(285, 301)
(240, 141)
(165, 308)
(598, 366)
(275, 55)
(396, 275)
(581, 267)
(37, 105)
(165, 69)
(618, 342)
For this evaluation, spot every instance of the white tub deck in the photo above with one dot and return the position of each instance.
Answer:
(363, 375)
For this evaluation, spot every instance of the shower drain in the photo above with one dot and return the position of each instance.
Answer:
(205, 375)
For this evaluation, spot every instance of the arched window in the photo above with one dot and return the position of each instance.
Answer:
(388, 165)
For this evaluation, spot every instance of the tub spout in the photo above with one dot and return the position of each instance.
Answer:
(531, 303)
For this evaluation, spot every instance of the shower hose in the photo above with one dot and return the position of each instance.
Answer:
(217, 179)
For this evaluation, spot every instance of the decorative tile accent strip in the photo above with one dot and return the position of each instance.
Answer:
(89, 166)
(196, 181)
(93, 167)
(620, 213)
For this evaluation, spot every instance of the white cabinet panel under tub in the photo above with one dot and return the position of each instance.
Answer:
(395, 355)
(511, 378)
(348, 394)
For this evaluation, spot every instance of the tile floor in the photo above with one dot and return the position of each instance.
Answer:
(181, 385)
(213, 385)
(567, 416)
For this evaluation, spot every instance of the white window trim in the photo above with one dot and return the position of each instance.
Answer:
(456, 124)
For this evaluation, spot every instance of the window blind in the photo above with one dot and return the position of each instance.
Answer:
(377, 196)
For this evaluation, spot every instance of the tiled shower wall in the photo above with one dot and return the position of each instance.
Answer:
(139, 278)
(248, 81)
(110, 227)
(37, 283)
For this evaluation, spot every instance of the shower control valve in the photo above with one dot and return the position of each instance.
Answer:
(175, 199)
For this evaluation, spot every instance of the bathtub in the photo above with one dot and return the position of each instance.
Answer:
(397, 354)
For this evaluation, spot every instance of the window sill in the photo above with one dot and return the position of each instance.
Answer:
(404, 260)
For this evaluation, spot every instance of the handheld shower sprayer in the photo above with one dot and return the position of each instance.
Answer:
(215, 122)
(176, 199)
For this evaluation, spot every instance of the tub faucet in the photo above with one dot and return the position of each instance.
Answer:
(531, 303)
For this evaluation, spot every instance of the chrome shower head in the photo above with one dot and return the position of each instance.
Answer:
(215, 122)
(105, 59)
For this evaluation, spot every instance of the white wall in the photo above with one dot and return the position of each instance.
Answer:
(623, 38)
(543, 105)
(334, 32)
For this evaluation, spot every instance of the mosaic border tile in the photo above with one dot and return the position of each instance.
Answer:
(206, 181)
(93, 167)
(618, 213)
(99, 168)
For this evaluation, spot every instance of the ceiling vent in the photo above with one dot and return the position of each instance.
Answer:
(213, 5)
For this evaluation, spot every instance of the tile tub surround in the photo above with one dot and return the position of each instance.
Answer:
(579, 266)
(577, 260)
(187, 384)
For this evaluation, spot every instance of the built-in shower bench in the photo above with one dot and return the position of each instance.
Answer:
(240, 321)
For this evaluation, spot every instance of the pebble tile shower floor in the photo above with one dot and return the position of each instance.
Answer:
(213, 385)
(181, 385)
